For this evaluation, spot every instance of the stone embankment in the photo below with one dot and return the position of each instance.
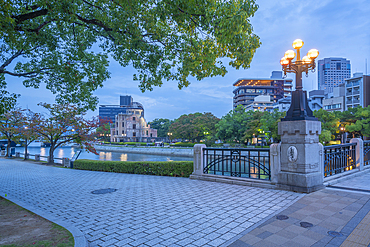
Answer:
(183, 152)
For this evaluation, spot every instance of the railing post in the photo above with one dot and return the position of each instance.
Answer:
(66, 162)
(17, 154)
(359, 152)
(274, 161)
(37, 157)
(198, 159)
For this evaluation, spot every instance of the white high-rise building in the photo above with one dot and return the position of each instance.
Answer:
(332, 72)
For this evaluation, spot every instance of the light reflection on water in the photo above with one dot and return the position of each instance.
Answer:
(68, 152)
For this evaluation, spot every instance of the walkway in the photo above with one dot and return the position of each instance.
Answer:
(336, 217)
(145, 210)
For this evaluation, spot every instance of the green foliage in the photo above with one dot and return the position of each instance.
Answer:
(269, 124)
(362, 124)
(253, 124)
(161, 125)
(184, 144)
(329, 124)
(325, 136)
(159, 168)
(194, 126)
(232, 126)
(50, 42)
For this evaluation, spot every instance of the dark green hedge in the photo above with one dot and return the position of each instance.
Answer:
(159, 168)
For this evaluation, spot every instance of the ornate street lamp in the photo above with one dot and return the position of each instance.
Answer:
(299, 109)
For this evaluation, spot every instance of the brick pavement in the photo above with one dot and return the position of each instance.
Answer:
(344, 211)
(145, 210)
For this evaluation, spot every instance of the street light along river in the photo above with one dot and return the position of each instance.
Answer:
(68, 152)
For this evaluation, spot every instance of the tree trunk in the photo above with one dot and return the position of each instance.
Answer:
(25, 151)
(51, 155)
(8, 148)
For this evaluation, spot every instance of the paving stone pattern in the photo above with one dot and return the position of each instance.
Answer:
(327, 210)
(145, 210)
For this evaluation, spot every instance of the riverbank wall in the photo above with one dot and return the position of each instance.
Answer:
(170, 151)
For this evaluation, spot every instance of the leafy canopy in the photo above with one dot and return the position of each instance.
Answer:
(55, 42)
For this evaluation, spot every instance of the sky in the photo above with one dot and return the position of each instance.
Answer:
(337, 28)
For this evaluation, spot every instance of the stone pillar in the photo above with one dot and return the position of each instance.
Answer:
(302, 161)
(66, 162)
(198, 159)
(275, 161)
(37, 157)
(17, 154)
(359, 152)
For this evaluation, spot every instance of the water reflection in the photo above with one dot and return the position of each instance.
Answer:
(115, 156)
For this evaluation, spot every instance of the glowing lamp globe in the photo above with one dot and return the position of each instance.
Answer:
(313, 53)
(289, 54)
(297, 44)
(306, 59)
(284, 61)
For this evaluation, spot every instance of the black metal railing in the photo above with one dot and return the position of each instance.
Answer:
(366, 153)
(339, 158)
(238, 162)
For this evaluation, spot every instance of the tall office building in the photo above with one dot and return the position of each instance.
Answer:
(332, 72)
(246, 89)
(126, 105)
(357, 91)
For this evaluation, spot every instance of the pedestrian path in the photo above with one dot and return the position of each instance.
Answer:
(331, 217)
(144, 210)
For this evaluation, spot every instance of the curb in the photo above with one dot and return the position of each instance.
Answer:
(79, 237)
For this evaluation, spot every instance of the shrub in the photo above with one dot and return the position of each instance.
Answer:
(159, 168)
(185, 144)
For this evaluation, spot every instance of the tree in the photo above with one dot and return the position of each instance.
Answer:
(161, 125)
(26, 132)
(269, 124)
(232, 126)
(194, 126)
(10, 123)
(253, 124)
(362, 125)
(329, 122)
(103, 131)
(65, 44)
(65, 124)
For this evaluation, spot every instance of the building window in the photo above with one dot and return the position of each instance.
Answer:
(133, 118)
(133, 134)
(146, 132)
(123, 132)
(123, 124)
(134, 126)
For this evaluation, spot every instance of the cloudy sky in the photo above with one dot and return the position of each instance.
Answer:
(337, 28)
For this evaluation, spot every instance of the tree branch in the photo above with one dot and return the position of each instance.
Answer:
(32, 15)
(7, 62)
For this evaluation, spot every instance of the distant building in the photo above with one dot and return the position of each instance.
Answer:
(109, 112)
(357, 91)
(315, 99)
(335, 101)
(260, 103)
(246, 89)
(282, 104)
(132, 127)
(332, 72)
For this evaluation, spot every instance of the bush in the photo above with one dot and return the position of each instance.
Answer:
(185, 144)
(159, 168)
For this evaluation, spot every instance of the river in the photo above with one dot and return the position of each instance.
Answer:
(68, 152)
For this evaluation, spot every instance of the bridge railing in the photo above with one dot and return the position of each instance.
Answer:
(237, 162)
(339, 158)
(366, 153)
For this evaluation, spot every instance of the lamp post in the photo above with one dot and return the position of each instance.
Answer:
(342, 132)
(169, 135)
(299, 109)
(26, 144)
